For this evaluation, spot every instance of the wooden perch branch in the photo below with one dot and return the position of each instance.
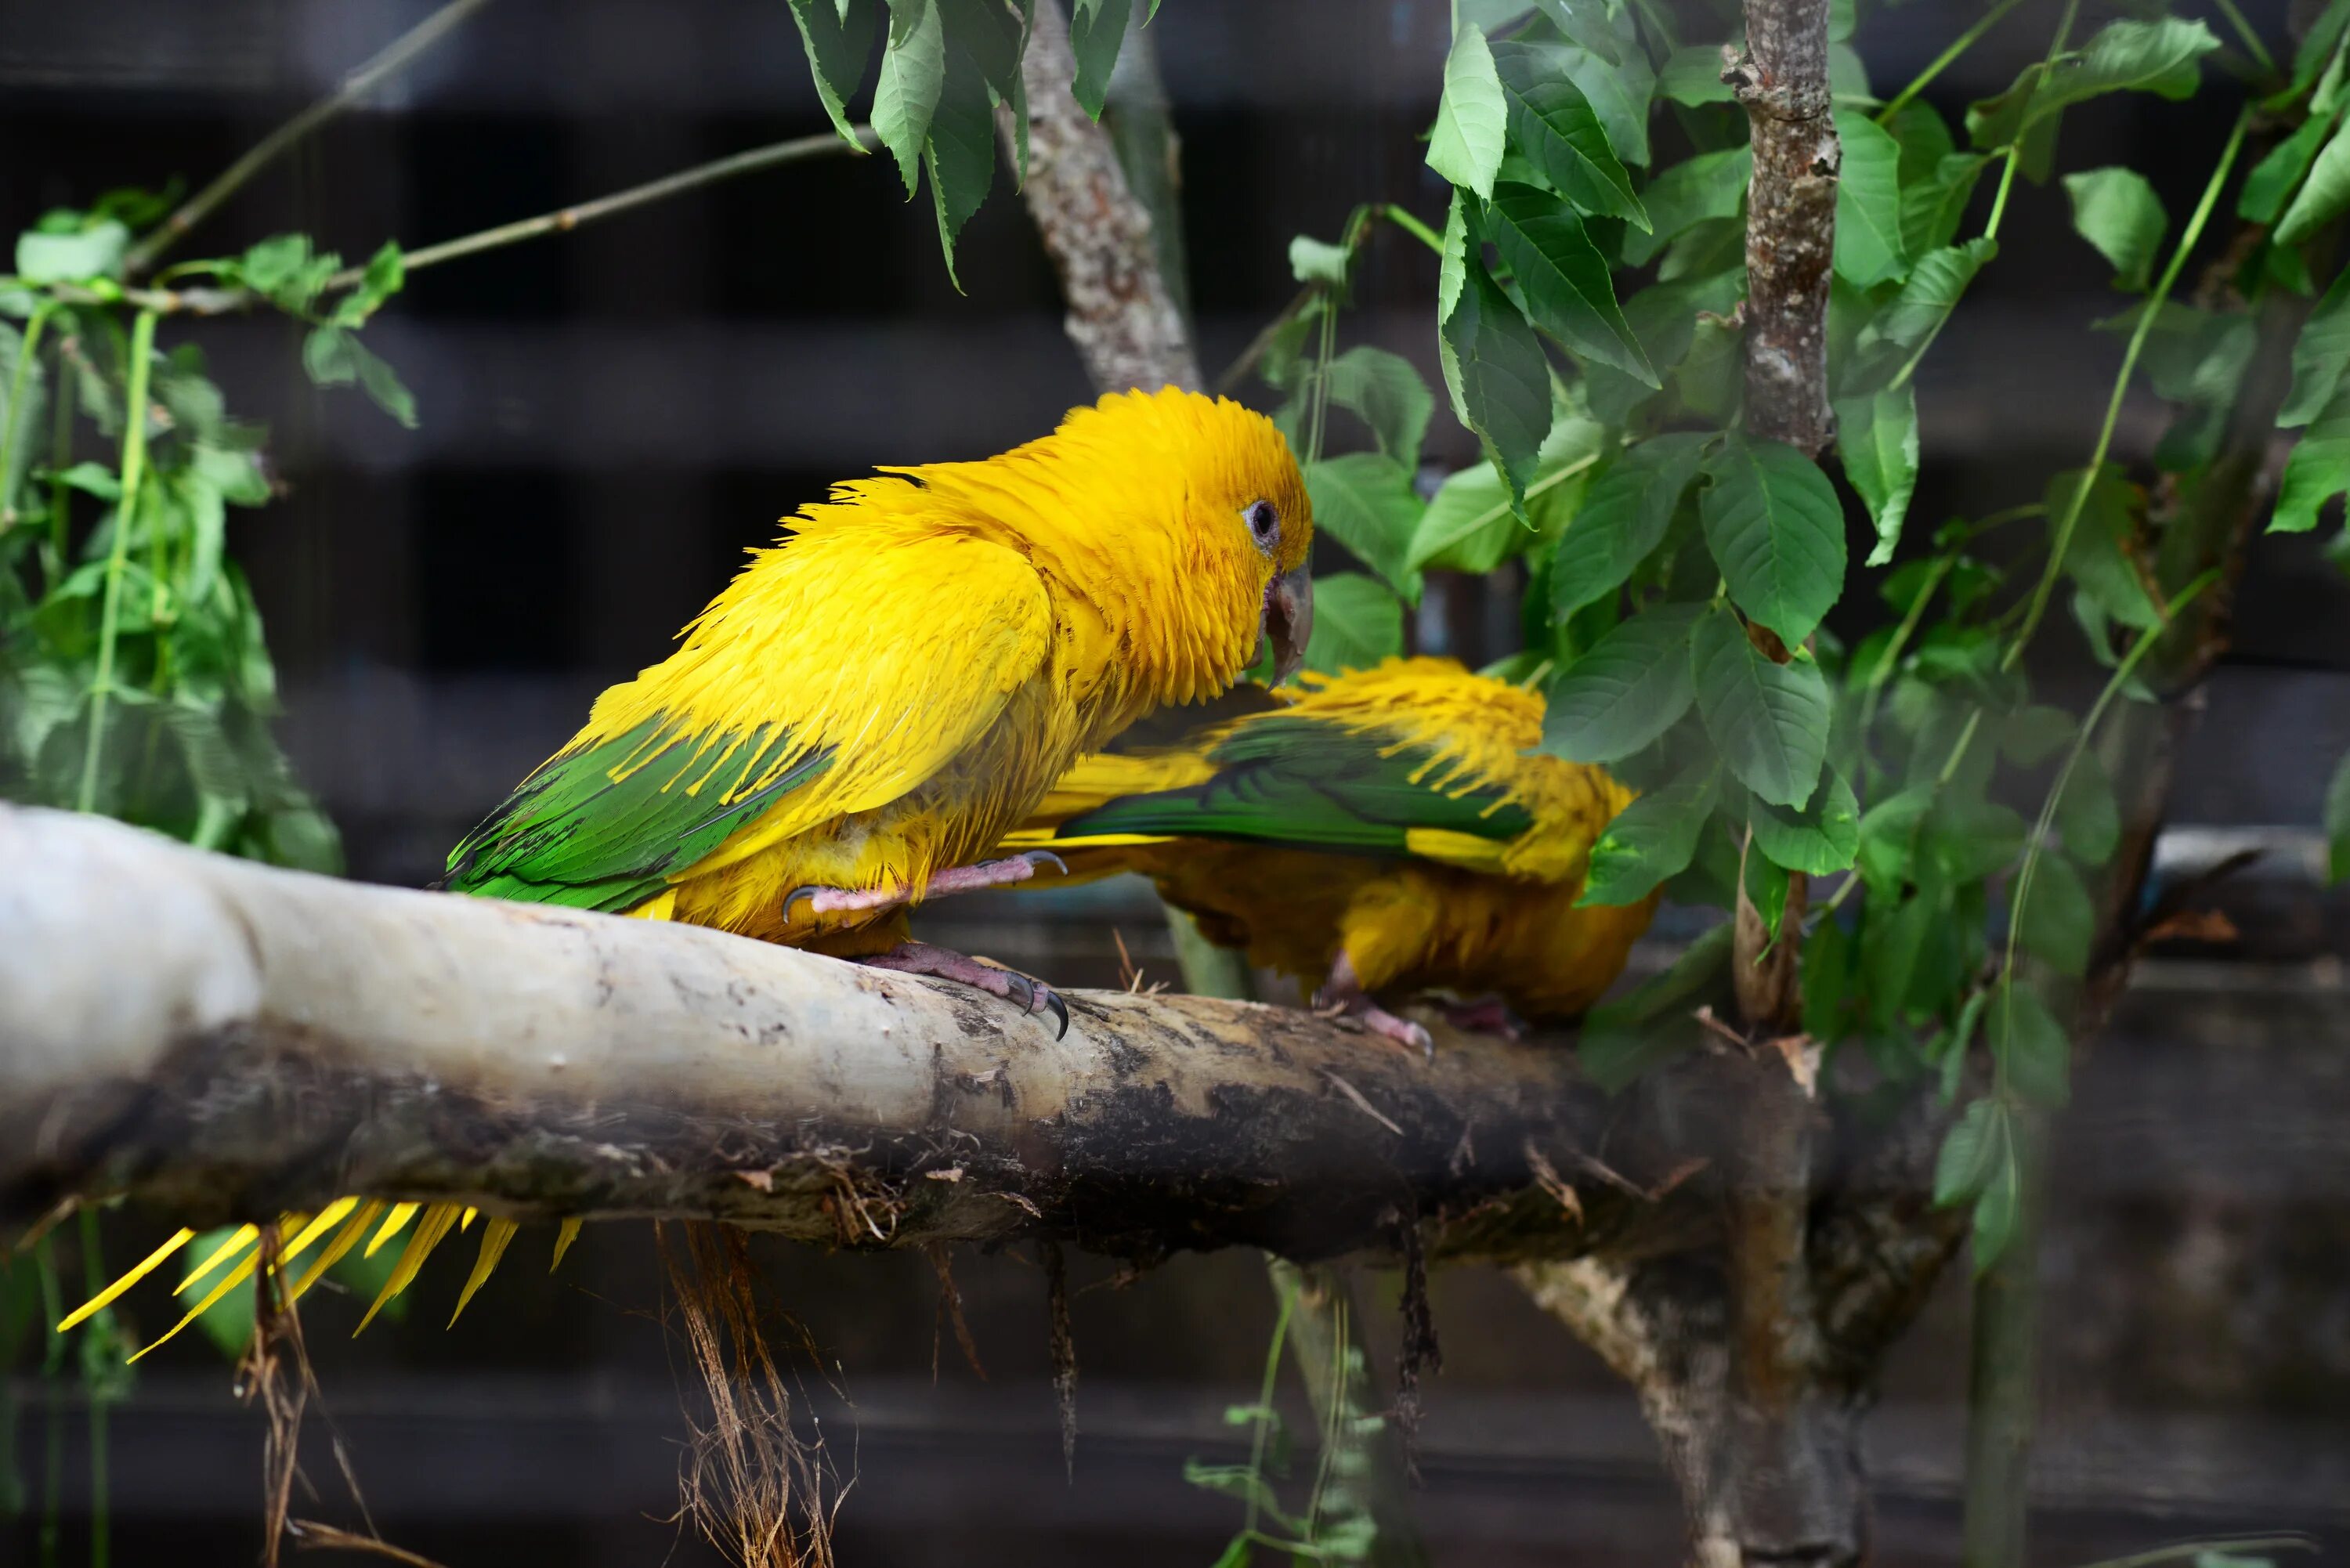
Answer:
(220, 1039)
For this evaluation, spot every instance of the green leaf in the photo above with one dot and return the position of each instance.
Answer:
(1888, 831)
(1769, 721)
(1500, 380)
(2322, 196)
(1625, 691)
(94, 250)
(1934, 203)
(959, 151)
(1555, 125)
(382, 384)
(2320, 355)
(2105, 551)
(386, 274)
(2191, 356)
(1877, 436)
(2086, 814)
(2319, 468)
(2055, 922)
(1364, 501)
(1655, 1021)
(1773, 525)
(1618, 95)
(1693, 77)
(2276, 177)
(913, 72)
(1623, 517)
(1096, 28)
(1764, 884)
(1388, 394)
(1971, 1151)
(1709, 185)
(1451, 266)
(228, 1322)
(1868, 203)
(1828, 956)
(2338, 823)
(2155, 56)
(1565, 279)
(1822, 837)
(1469, 527)
(1586, 25)
(1653, 839)
(2029, 1045)
(2117, 211)
(1357, 622)
(1472, 120)
(2029, 736)
(839, 37)
(1318, 261)
(1996, 1209)
(1936, 285)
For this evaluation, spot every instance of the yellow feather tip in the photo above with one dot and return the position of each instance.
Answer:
(439, 1219)
(566, 1233)
(147, 1266)
(494, 1237)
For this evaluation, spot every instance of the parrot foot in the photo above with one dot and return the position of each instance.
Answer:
(945, 963)
(954, 879)
(1489, 1015)
(1342, 996)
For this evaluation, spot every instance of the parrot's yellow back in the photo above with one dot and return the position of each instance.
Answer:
(1401, 816)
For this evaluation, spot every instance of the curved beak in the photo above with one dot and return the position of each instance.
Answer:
(1288, 621)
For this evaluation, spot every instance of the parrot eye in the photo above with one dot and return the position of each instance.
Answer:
(1263, 524)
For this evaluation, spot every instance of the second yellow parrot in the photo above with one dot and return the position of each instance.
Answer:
(1383, 832)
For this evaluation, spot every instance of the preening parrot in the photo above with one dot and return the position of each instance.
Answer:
(1385, 831)
(875, 700)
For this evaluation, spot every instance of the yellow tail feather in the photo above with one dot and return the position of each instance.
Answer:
(153, 1261)
(241, 1238)
(345, 1239)
(438, 1219)
(494, 1237)
(229, 1282)
(564, 1237)
(393, 1224)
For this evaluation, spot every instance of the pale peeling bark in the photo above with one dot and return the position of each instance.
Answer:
(220, 1039)
(1782, 82)
(1122, 315)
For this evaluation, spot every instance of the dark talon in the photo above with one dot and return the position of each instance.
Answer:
(1061, 1011)
(1021, 991)
(796, 895)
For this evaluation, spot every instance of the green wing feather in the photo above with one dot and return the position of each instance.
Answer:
(1309, 784)
(606, 827)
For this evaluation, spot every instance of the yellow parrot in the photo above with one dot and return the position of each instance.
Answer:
(871, 704)
(1382, 832)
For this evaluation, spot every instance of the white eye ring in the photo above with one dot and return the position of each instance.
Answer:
(1263, 524)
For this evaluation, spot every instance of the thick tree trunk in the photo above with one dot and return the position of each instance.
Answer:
(221, 1041)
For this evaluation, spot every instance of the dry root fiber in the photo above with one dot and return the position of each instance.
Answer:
(749, 1485)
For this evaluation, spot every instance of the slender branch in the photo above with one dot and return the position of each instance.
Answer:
(355, 87)
(565, 219)
(1943, 61)
(2253, 45)
(134, 475)
(20, 381)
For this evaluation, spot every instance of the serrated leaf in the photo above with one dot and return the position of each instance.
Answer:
(2337, 820)
(1501, 381)
(1649, 841)
(2156, 57)
(2319, 468)
(2029, 1045)
(1936, 285)
(1868, 203)
(1452, 268)
(1356, 623)
(2117, 211)
(2086, 814)
(2275, 178)
(1971, 1150)
(1877, 436)
(2055, 922)
(1584, 23)
(1388, 394)
(2103, 553)
(839, 37)
(913, 72)
(1566, 280)
(1096, 28)
(1618, 95)
(1626, 690)
(959, 151)
(1709, 185)
(1471, 119)
(2322, 196)
(1770, 722)
(1773, 525)
(1366, 501)
(1822, 837)
(1553, 124)
(2320, 355)
(1624, 517)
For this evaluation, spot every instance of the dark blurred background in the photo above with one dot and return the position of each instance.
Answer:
(609, 418)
